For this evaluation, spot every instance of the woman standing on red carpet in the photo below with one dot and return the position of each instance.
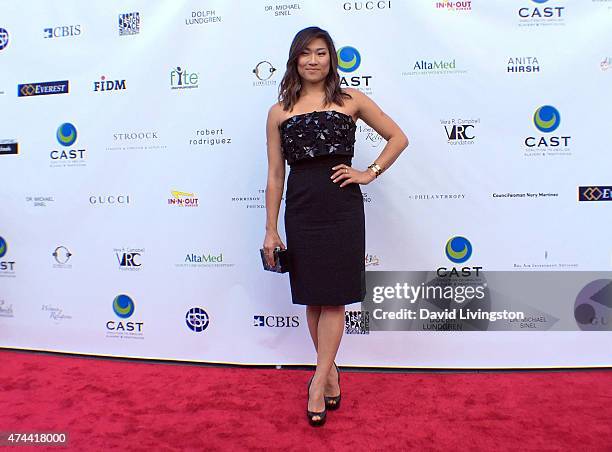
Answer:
(312, 127)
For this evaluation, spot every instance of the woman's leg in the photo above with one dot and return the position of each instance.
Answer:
(328, 335)
(312, 316)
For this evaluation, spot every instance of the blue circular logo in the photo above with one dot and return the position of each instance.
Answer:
(197, 319)
(123, 306)
(2, 247)
(458, 249)
(4, 38)
(66, 134)
(349, 59)
(540, 1)
(546, 118)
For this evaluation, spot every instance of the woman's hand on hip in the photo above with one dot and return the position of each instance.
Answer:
(349, 175)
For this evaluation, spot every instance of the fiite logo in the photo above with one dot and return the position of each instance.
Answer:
(349, 59)
(458, 249)
(66, 134)
(123, 306)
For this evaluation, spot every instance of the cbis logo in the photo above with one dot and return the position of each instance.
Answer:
(66, 135)
(458, 250)
(7, 268)
(276, 321)
(62, 32)
(547, 119)
(124, 307)
(349, 60)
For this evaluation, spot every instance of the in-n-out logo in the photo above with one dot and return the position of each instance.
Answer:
(7, 267)
(129, 24)
(276, 321)
(66, 135)
(180, 78)
(129, 259)
(61, 255)
(454, 6)
(63, 31)
(4, 38)
(183, 199)
(542, 13)
(124, 307)
(547, 119)
(197, 319)
(349, 60)
(109, 85)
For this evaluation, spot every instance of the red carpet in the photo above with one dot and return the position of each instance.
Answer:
(108, 404)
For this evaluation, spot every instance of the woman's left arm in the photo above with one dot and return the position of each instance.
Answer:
(374, 117)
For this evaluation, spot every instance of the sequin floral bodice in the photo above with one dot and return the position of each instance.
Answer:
(317, 133)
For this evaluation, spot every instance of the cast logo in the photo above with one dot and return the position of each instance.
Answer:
(124, 307)
(129, 24)
(43, 88)
(349, 60)
(276, 321)
(541, 15)
(181, 79)
(458, 250)
(4, 38)
(183, 199)
(109, 85)
(547, 120)
(197, 319)
(62, 32)
(7, 268)
(66, 135)
(595, 193)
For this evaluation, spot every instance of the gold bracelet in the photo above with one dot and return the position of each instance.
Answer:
(376, 168)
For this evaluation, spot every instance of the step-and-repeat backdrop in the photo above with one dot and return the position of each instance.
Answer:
(133, 163)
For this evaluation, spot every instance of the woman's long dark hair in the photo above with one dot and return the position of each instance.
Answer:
(291, 85)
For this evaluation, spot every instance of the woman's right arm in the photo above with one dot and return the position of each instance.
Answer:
(275, 183)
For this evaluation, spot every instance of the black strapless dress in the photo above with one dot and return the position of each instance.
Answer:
(325, 224)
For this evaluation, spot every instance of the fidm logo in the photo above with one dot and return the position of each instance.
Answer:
(349, 60)
(124, 307)
(197, 319)
(537, 14)
(4, 38)
(9, 147)
(62, 31)
(181, 79)
(276, 321)
(42, 88)
(66, 135)
(547, 120)
(129, 24)
(109, 85)
(595, 193)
